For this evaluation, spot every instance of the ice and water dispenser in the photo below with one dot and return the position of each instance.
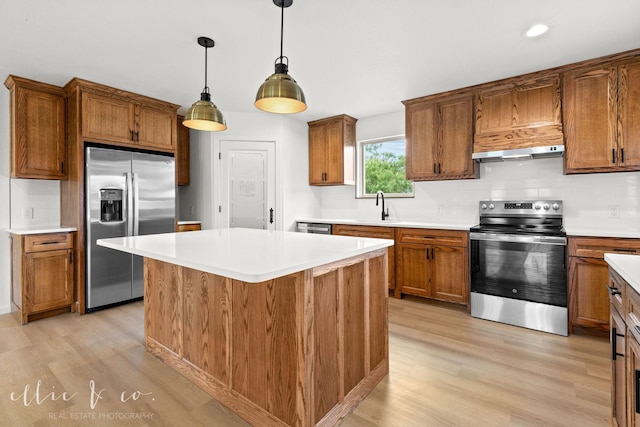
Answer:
(110, 205)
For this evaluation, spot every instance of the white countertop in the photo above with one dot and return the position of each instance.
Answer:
(40, 229)
(188, 222)
(627, 266)
(246, 254)
(391, 223)
(601, 232)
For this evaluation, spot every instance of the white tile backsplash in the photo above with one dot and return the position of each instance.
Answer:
(39, 197)
(587, 197)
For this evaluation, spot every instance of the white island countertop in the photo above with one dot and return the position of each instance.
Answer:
(246, 254)
(627, 266)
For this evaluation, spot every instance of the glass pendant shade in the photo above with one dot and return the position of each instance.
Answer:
(204, 115)
(280, 93)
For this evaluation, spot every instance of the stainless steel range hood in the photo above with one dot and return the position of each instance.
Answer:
(520, 154)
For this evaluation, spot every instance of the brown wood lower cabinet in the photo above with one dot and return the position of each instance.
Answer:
(376, 233)
(433, 264)
(625, 352)
(42, 275)
(587, 276)
(187, 227)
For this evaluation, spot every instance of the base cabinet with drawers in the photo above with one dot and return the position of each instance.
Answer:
(625, 351)
(42, 275)
(587, 271)
(433, 264)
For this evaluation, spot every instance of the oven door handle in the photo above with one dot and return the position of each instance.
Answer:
(496, 237)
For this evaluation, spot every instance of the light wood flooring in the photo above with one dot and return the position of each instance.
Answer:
(446, 369)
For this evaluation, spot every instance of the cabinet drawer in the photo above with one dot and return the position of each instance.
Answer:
(632, 309)
(47, 242)
(617, 292)
(596, 247)
(432, 237)
(364, 231)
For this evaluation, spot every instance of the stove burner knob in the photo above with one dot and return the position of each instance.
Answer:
(555, 206)
(491, 206)
(537, 207)
(483, 206)
(546, 206)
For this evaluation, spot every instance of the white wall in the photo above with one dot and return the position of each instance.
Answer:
(294, 197)
(588, 198)
(5, 257)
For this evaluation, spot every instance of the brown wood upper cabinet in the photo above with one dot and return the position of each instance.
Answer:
(439, 138)
(602, 118)
(117, 117)
(183, 170)
(520, 113)
(332, 146)
(38, 131)
(118, 120)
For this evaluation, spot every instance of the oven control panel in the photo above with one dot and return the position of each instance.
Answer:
(520, 207)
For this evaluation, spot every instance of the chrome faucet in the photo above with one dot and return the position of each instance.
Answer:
(384, 214)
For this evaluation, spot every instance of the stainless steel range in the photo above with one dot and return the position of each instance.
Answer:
(518, 272)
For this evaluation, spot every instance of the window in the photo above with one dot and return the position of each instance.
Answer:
(381, 167)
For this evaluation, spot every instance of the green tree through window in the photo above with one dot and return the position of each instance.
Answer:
(384, 168)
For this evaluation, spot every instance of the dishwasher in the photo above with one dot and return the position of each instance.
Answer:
(313, 227)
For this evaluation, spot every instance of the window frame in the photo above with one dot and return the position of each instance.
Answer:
(360, 178)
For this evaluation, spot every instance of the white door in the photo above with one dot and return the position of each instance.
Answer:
(247, 184)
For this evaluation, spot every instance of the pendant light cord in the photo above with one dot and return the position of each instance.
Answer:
(281, 27)
(206, 88)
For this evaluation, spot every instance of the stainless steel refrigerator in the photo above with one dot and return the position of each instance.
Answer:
(128, 193)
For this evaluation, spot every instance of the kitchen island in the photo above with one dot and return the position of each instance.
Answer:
(285, 329)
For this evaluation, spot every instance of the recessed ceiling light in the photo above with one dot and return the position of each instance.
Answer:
(536, 30)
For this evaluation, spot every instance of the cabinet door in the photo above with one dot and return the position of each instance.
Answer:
(413, 269)
(449, 274)
(590, 119)
(38, 140)
(589, 300)
(107, 118)
(334, 159)
(421, 127)
(156, 127)
(618, 369)
(183, 169)
(48, 280)
(518, 115)
(629, 116)
(633, 380)
(456, 145)
(316, 155)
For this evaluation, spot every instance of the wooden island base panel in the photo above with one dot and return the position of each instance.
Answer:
(298, 350)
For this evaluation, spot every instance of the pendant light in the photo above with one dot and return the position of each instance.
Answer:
(280, 93)
(203, 114)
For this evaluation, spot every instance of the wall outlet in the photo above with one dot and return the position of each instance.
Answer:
(192, 210)
(27, 213)
(439, 210)
(614, 211)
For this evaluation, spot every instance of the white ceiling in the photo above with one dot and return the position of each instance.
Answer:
(359, 57)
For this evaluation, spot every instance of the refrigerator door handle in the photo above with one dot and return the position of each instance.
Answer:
(129, 206)
(136, 207)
